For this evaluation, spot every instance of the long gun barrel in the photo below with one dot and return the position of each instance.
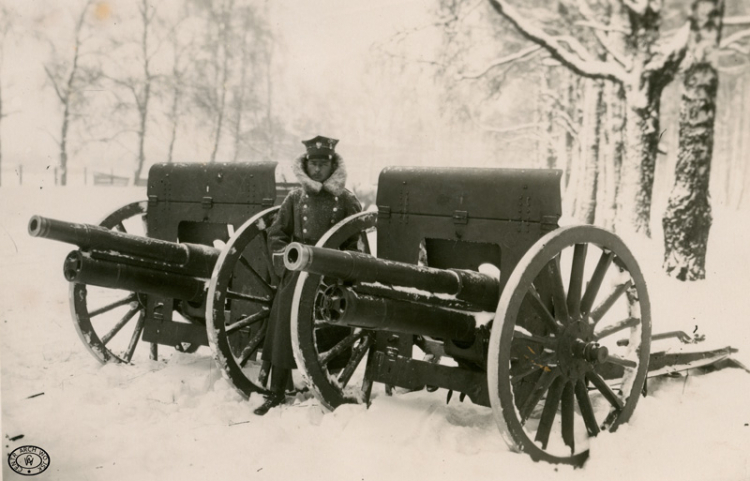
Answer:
(345, 306)
(108, 258)
(470, 286)
(184, 258)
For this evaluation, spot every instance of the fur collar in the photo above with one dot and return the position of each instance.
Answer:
(334, 184)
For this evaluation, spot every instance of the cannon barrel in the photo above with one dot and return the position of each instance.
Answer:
(472, 287)
(83, 269)
(194, 260)
(345, 307)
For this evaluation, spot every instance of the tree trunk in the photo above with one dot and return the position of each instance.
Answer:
(738, 165)
(590, 133)
(572, 87)
(220, 118)
(239, 97)
(174, 115)
(743, 178)
(612, 158)
(546, 116)
(143, 104)
(639, 163)
(62, 172)
(687, 220)
(224, 48)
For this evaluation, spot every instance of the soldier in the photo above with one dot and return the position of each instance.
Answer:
(305, 215)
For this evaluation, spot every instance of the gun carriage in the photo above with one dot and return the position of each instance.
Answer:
(461, 280)
(475, 289)
(144, 271)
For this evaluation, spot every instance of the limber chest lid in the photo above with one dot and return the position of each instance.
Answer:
(527, 195)
(224, 183)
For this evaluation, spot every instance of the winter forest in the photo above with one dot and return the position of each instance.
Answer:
(643, 105)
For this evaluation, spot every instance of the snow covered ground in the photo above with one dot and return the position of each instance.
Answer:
(180, 419)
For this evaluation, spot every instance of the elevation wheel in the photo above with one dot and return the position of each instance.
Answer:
(239, 298)
(328, 356)
(553, 344)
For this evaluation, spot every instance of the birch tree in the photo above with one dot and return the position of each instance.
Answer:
(687, 220)
(591, 133)
(143, 97)
(641, 62)
(177, 82)
(213, 68)
(68, 78)
(251, 39)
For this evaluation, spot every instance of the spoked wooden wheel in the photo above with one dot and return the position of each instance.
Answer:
(242, 288)
(328, 356)
(554, 335)
(110, 321)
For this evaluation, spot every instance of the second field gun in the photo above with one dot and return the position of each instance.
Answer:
(475, 289)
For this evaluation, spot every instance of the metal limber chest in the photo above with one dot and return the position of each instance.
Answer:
(200, 204)
(453, 218)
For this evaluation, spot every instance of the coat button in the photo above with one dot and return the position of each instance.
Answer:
(304, 206)
(335, 209)
(304, 218)
(304, 230)
(336, 199)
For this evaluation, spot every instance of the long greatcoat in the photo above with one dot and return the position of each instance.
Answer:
(305, 215)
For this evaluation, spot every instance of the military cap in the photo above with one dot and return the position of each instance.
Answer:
(320, 147)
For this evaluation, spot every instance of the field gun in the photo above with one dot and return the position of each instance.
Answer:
(117, 260)
(462, 280)
(146, 272)
(472, 286)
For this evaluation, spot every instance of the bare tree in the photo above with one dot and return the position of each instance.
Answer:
(137, 87)
(68, 79)
(590, 150)
(177, 81)
(613, 154)
(644, 67)
(214, 67)
(687, 220)
(270, 125)
(244, 98)
(143, 96)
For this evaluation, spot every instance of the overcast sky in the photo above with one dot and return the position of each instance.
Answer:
(324, 45)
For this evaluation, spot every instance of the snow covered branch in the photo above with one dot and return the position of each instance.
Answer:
(571, 59)
(599, 31)
(666, 64)
(506, 130)
(504, 60)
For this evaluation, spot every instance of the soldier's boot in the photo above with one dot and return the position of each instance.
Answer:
(279, 377)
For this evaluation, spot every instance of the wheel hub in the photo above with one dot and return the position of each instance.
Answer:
(576, 351)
